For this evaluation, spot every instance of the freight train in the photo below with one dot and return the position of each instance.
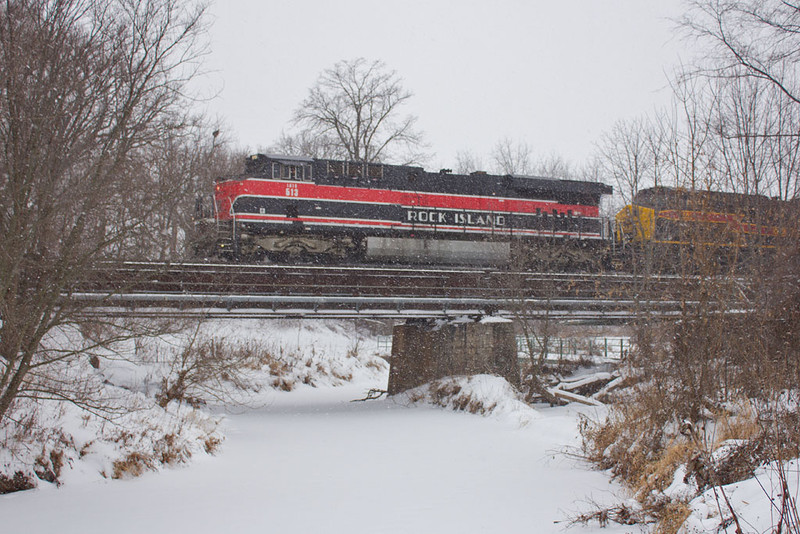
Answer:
(286, 207)
(289, 208)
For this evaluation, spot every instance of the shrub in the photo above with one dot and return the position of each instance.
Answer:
(209, 369)
(694, 426)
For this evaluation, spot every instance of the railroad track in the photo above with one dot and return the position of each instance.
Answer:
(399, 291)
(372, 282)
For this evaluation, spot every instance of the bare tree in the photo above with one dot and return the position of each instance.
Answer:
(467, 162)
(176, 174)
(785, 149)
(742, 116)
(87, 87)
(357, 104)
(512, 157)
(554, 166)
(754, 38)
(624, 154)
(751, 154)
(689, 154)
(308, 143)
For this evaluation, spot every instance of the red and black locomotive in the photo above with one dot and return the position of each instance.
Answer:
(284, 207)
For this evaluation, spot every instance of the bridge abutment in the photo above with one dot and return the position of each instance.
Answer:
(423, 351)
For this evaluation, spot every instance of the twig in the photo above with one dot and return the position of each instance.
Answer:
(372, 394)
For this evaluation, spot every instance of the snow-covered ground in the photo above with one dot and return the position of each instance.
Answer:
(312, 460)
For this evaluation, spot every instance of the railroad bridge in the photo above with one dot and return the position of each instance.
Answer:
(422, 350)
(308, 291)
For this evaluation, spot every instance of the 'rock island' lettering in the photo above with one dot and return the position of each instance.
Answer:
(455, 218)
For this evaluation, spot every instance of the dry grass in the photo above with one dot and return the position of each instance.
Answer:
(628, 444)
(644, 444)
(170, 449)
(622, 514)
(627, 440)
(671, 517)
(376, 365)
(344, 377)
(169, 452)
(133, 465)
(19, 481)
(210, 368)
(47, 466)
(282, 383)
(658, 472)
(211, 444)
(739, 423)
(276, 367)
(449, 394)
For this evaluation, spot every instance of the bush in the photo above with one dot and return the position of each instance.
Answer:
(697, 425)
(211, 369)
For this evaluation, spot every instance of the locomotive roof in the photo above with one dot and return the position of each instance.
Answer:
(534, 183)
(281, 158)
(663, 197)
(256, 164)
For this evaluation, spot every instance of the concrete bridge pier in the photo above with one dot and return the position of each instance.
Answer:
(426, 350)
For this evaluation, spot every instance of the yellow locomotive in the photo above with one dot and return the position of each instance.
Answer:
(731, 224)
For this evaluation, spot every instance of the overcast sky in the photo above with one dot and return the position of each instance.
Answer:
(554, 74)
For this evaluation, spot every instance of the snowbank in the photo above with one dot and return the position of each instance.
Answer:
(480, 394)
(58, 442)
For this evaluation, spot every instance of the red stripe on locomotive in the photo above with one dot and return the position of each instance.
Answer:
(227, 192)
